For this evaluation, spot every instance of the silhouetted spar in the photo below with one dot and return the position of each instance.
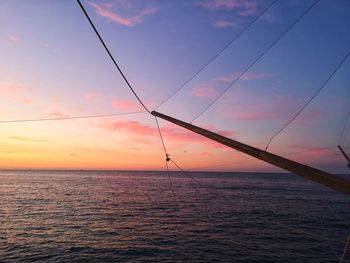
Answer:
(332, 181)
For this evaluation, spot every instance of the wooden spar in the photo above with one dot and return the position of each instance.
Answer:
(344, 154)
(330, 180)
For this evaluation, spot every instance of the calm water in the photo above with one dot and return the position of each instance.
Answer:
(62, 216)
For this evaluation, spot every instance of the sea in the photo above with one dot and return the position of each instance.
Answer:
(135, 216)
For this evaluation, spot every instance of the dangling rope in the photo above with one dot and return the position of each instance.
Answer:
(345, 132)
(328, 241)
(345, 249)
(187, 174)
(167, 159)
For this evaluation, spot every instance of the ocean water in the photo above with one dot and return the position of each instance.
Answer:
(105, 216)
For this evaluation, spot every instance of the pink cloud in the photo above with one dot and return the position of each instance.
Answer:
(223, 24)
(16, 93)
(45, 45)
(311, 154)
(13, 39)
(204, 91)
(242, 105)
(244, 7)
(307, 149)
(170, 132)
(126, 105)
(58, 114)
(246, 76)
(90, 96)
(130, 21)
(131, 127)
(235, 106)
(309, 116)
(26, 101)
(247, 115)
(14, 89)
(206, 154)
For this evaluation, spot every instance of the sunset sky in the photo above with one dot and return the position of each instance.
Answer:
(53, 65)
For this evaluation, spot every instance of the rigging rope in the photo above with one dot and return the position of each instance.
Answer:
(328, 240)
(311, 235)
(110, 55)
(345, 130)
(69, 118)
(187, 174)
(309, 101)
(345, 249)
(166, 159)
(218, 54)
(255, 61)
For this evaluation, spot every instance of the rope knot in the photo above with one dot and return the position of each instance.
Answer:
(167, 157)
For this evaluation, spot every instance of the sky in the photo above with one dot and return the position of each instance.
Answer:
(52, 65)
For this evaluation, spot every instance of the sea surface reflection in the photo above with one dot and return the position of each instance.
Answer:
(72, 216)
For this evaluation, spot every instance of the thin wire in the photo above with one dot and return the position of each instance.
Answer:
(187, 174)
(345, 249)
(311, 235)
(217, 54)
(110, 55)
(161, 137)
(170, 181)
(309, 101)
(69, 118)
(346, 138)
(328, 241)
(346, 126)
(167, 156)
(256, 60)
(166, 159)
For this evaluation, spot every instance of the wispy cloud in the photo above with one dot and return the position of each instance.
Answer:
(90, 96)
(126, 105)
(310, 116)
(16, 93)
(130, 105)
(309, 149)
(247, 115)
(106, 11)
(246, 105)
(223, 24)
(14, 89)
(210, 88)
(44, 45)
(309, 153)
(244, 7)
(246, 76)
(59, 114)
(170, 132)
(13, 39)
(204, 91)
(26, 139)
